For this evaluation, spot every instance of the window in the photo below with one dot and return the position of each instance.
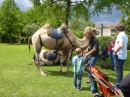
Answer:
(113, 31)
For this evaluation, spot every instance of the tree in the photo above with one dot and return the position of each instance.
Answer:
(81, 8)
(125, 7)
(28, 30)
(80, 24)
(35, 2)
(127, 26)
(54, 14)
(8, 18)
(122, 19)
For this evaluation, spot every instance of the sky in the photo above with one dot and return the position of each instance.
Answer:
(114, 17)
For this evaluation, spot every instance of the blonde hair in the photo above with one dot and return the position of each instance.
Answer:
(78, 50)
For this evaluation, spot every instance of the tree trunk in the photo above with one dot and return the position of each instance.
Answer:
(67, 11)
(10, 37)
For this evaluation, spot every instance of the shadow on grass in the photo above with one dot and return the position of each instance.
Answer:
(85, 88)
(15, 44)
(65, 74)
(56, 73)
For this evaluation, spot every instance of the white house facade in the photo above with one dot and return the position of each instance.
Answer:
(108, 28)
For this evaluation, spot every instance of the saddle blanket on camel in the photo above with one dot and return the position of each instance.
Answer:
(55, 33)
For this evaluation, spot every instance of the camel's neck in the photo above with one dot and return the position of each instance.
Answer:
(82, 43)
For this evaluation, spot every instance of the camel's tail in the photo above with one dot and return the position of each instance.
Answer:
(29, 43)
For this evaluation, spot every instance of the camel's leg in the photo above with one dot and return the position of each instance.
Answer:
(61, 64)
(41, 71)
(67, 64)
(67, 60)
(34, 61)
(66, 55)
(38, 65)
(36, 41)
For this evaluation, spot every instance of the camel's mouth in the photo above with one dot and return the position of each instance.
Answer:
(97, 32)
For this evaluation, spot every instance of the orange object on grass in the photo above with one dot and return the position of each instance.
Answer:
(106, 88)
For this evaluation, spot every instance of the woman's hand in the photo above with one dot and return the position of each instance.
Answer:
(114, 53)
(86, 54)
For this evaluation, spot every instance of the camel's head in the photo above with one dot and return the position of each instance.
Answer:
(64, 27)
(91, 30)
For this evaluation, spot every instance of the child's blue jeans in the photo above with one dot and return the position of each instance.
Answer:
(77, 80)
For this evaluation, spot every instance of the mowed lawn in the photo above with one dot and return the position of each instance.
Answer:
(18, 79)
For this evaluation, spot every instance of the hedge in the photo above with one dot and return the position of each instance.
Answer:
(104, 41)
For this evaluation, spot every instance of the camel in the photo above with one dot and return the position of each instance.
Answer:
(41, 38)
(43, 60)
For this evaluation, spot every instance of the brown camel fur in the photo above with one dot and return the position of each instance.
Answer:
(40, 38)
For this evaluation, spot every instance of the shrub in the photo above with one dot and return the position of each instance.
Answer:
(23, 40)
(128, 47)
(78, 34)
(104, 40)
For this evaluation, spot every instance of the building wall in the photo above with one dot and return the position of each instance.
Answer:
(106, 31)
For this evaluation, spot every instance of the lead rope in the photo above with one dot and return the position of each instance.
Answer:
(71, 44)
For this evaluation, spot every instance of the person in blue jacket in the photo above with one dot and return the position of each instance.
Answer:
(78, 67)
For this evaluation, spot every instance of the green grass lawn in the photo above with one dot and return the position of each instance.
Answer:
(18, 79)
